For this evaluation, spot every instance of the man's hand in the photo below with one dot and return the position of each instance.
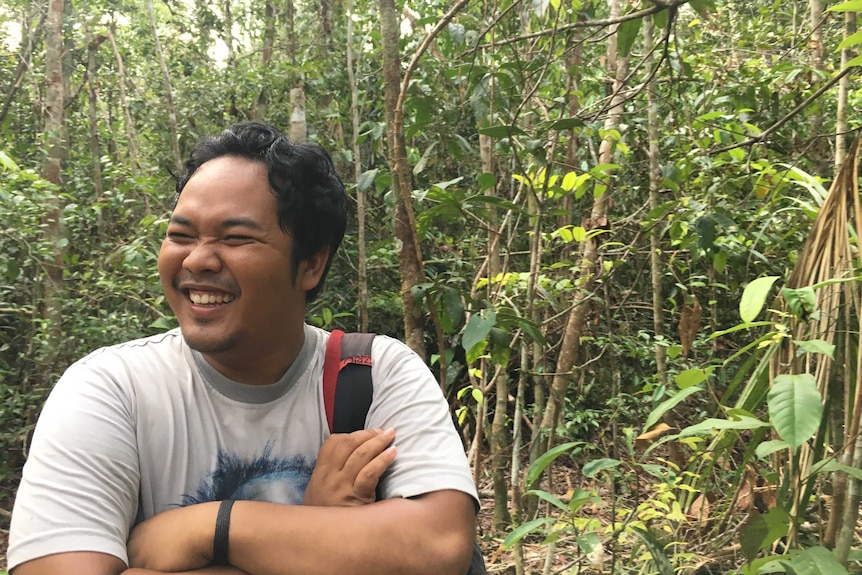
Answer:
(348, 468)
(176, 540)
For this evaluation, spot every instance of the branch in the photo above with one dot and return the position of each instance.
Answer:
(595, 23)
(768, 131)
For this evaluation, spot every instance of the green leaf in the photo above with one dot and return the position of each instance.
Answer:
(857, 61)
(501, 131)
(767, 448)
(691, 377)
(815, 346)
(593, 468)
(486, 181)
(549, 497)
(815, 561)
(543, 461)
(659, 557)
(667, 405)
(850, 6)
(738, 423)
(801, 302)
(588, 542)
(795, 407)
(453, 306)
(626, 34)
(754, 296)
(499, 346)
(366, 179)
(851, 40)
(566, 124)
(475, 332)
(531, 330)
(7, 162)
(524, 530)
(830, 465)
(763, 531)
(703, 7)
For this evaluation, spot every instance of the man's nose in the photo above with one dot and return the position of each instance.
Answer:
(203, 257)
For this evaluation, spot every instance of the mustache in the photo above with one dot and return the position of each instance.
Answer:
(223, 284)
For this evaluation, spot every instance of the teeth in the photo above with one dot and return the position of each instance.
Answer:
(210, 298)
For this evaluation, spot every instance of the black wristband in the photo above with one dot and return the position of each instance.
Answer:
(222, 533)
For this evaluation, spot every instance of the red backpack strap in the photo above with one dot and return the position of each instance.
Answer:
(347, 385)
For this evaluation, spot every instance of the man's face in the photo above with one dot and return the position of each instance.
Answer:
(225, 265)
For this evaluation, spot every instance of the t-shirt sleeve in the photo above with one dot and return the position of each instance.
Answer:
(79, 489)
(430, 455)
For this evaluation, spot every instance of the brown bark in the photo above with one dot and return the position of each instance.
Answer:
(570, 347)
(361, 194)
(841, 125)
(128, 123)
(169, 91)
(656, 266)
(54, 129)
(260, 107)
(24, 62)
(819, 150)
(410, 264)
(93, 100)
(298, 126)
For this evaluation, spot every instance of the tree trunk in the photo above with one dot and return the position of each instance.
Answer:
(841, 125)
(23, 65)
(54, 128)
(128, 123)
(260, 107)
(298, 126)
(169, 91)
(93, 100)
(570, 347)
(818, 151)
(357, 175)
(410, 264)
(655, 178)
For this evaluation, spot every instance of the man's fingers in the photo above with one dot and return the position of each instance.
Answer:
(335, 451)
(365, 453)
(369, 476)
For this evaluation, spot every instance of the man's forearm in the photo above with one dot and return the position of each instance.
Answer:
(205, 571)
(430, 535)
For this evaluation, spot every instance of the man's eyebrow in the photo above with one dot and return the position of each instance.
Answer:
(228, 223)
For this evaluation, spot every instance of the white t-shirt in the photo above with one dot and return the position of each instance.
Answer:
(142, 427)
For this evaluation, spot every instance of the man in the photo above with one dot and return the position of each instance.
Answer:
(142, 446)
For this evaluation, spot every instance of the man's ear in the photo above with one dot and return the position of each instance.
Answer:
(311, 269)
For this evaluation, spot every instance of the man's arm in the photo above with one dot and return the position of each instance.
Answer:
(430, 534)
(91, 563)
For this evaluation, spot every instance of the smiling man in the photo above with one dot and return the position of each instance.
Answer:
(206, 449)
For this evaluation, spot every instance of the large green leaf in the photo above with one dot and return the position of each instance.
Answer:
(544, 460)
(708, 426)
(850, 6)
(593, 468)
(475, 332)
(525, 529)
(659, 557)
(754, 296)
(626, 34)
(815, 561)
(667, 405)
(763, 531)
(795, 407)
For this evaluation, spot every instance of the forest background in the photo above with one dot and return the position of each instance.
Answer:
(616, 230)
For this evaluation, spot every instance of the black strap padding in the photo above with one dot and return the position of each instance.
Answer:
(353, 394)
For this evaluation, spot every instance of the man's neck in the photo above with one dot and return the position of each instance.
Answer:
(255, 367)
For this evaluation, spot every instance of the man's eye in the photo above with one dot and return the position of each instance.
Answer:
(235, 239)
(178, 236)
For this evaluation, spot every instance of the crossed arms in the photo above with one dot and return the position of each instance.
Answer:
(340, 528)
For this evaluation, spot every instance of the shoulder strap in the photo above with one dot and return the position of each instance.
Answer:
(347, 385)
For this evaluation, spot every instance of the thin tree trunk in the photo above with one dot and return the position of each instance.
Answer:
(260, 107)
(410, 263)
(298, 126)
(570, 347)
(357, 175)
(23, 65)
(656, 264)
(841, 125)
(128, 123)
(227, 37)
(93, 100)
(54, 128)
(169, 91)
(819, 148)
